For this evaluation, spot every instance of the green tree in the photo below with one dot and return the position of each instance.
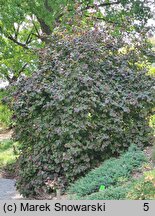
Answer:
(25, 25)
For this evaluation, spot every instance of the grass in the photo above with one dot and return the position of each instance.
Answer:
(5, 112)
(5, 116)
(152, 123)
(7, 153)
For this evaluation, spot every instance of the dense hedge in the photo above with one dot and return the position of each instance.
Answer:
(111, 173)
(87, 101)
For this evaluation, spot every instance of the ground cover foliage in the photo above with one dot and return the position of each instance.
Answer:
(133, 189)
(112, 174)
(90, 100)
(111, 193)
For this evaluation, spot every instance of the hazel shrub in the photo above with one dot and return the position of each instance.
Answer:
(88, 101)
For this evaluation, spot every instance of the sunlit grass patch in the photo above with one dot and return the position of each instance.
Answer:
(5, 112)
(8, 153)
(152, 122)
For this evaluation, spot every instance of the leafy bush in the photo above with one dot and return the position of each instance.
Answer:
(110, 173)
(143, 189)
(88, 101)
(152, 71)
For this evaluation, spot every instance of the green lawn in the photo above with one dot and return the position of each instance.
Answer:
(7, 153)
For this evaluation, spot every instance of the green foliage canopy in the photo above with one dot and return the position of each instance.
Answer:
(25, 25)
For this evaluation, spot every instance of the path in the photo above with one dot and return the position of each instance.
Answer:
(5, 134)
(8, 190)
(7, 186)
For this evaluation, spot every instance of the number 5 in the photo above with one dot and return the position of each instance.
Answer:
(146, 207)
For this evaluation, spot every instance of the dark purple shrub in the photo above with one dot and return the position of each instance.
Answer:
(88, 101)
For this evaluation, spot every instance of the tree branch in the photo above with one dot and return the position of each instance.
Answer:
(14, 78)
(35, 27)
(29, 39)
(101, 5)
(103, 18)
(16, 31)
(22, 69)
(36, 35)
(57, 19)
(45, 28)
(17, 42)
(93, 6)
(8, 78)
